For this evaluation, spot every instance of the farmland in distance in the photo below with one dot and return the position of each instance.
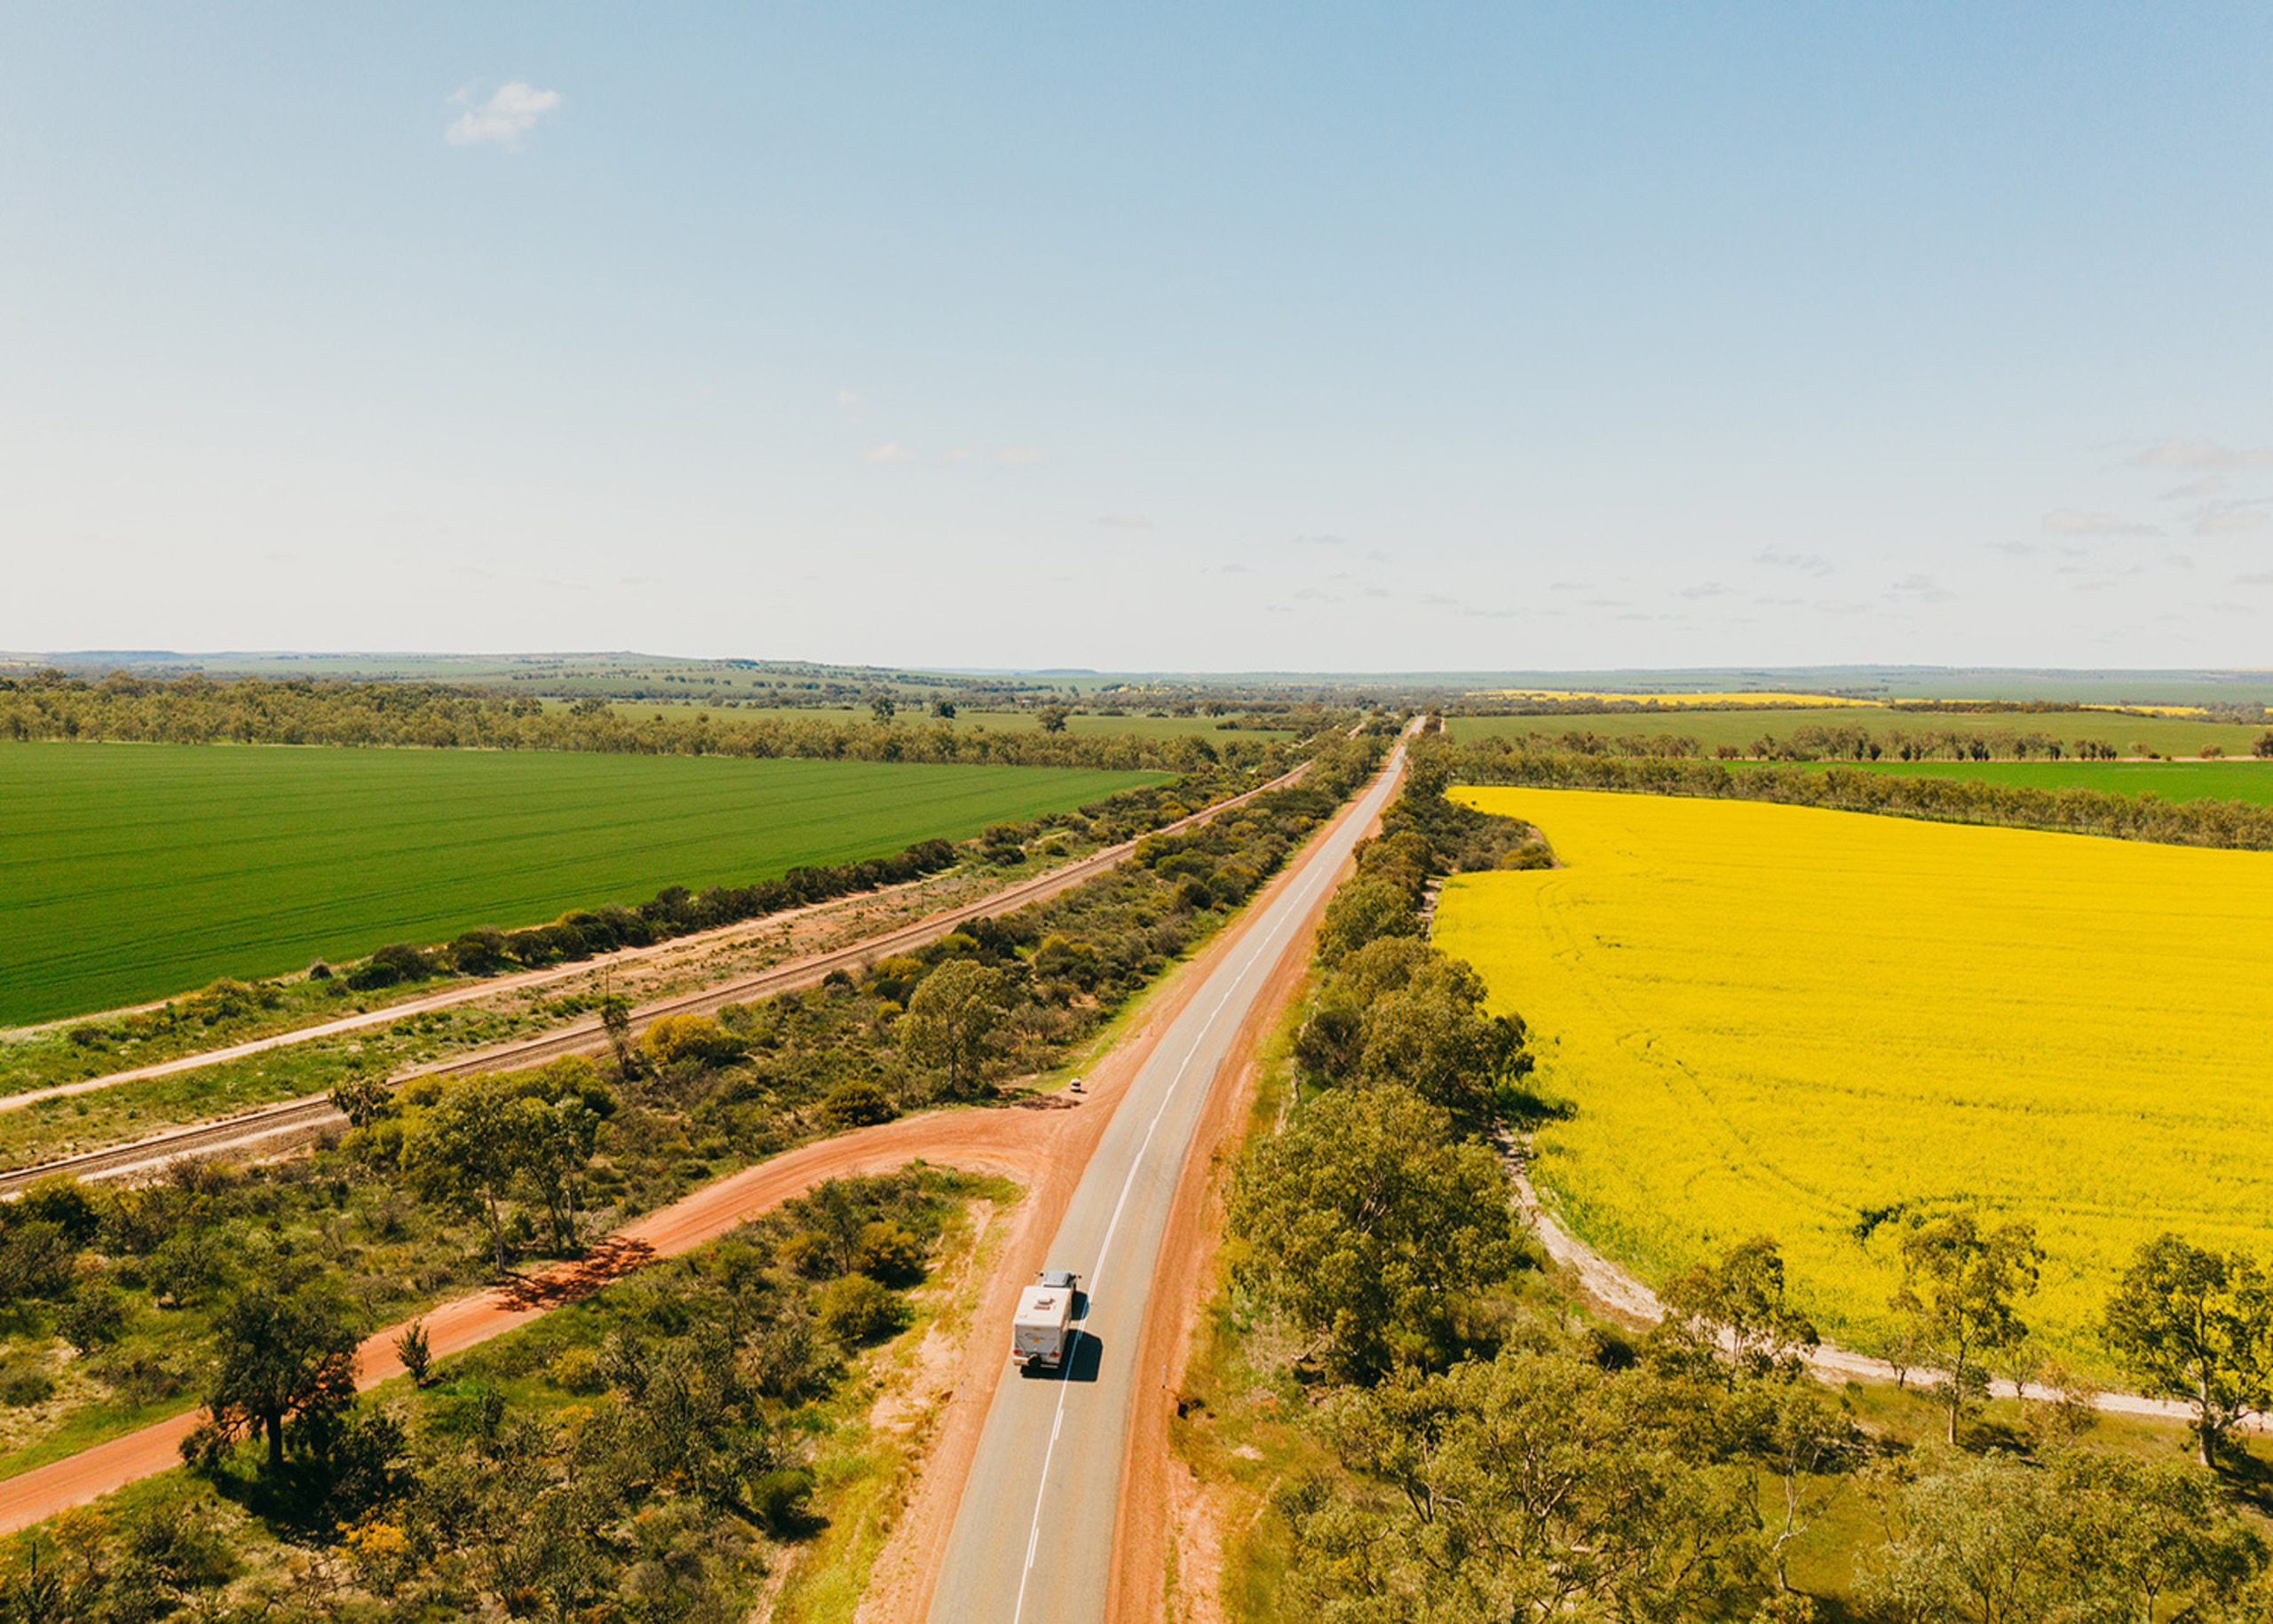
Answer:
(130, 872)
(2126, 733)
(2172, 780)
(1813, 1024)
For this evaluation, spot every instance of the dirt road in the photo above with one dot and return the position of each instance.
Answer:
(1018, 1143)
(1628, 1298)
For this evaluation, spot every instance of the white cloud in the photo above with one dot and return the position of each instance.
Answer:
(1924, 589)
(511, 112)
(1705, 589)
(1125, 521)
(1806, 563)
(890, 451)
(2201, 454)
(1319, 541)
(1017, 456)
(2068, 521)
(2193, 490)
(2232, 521)
(958, 453)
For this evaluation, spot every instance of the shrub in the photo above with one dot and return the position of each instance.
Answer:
(23, 1385)
(689, 1037)
(479, 953)
(857, 1311)
(889, 1252)
(857, 1104)
(783, 1499)
(576, 1370)
(93, 1316)
(396, 963)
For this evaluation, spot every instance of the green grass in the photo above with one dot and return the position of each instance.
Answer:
(2165, 735)
(129, 871)
(2172, 780)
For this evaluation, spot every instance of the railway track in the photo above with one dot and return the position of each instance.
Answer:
(281, 1126)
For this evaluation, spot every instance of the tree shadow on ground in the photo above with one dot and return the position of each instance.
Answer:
(602, 1265)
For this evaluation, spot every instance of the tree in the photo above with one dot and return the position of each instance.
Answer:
(1432, 1035)
(1807, 1439)
(615, 1020)
(1363, 911)
(944, 709)
(466, 1148)
(1371, 1226)
(280, 1358)
(415, 1350)
(561, 1140)
(883, 708)
(2196, 1327)
(2093, 1536)
(1530, 1487)
(362, 1099)
(1052, 719)
(1962, 1287)
(1736, 1309)
(952, 1018)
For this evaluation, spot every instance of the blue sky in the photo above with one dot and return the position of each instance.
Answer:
(1318, 336)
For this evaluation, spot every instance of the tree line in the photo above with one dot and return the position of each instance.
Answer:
(2076, 811)
(195, 710)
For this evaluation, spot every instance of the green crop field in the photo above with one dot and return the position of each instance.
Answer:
(130, 871)
(2173, 780)
(2165, 735)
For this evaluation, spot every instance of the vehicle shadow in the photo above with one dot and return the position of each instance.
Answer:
(1087, 1354)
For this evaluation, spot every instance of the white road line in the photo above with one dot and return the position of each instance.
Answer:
(1307, 883)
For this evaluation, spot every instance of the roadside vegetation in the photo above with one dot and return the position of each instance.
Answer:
(127, 1304)
(659, 1450)
(1400, 1411)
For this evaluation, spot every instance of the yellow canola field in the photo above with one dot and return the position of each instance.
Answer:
(1675, 702)
(1780, 1020)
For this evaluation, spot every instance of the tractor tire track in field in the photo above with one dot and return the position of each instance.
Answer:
(277, 1127)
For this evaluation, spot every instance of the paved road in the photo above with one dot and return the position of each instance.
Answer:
(1033, 1538)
